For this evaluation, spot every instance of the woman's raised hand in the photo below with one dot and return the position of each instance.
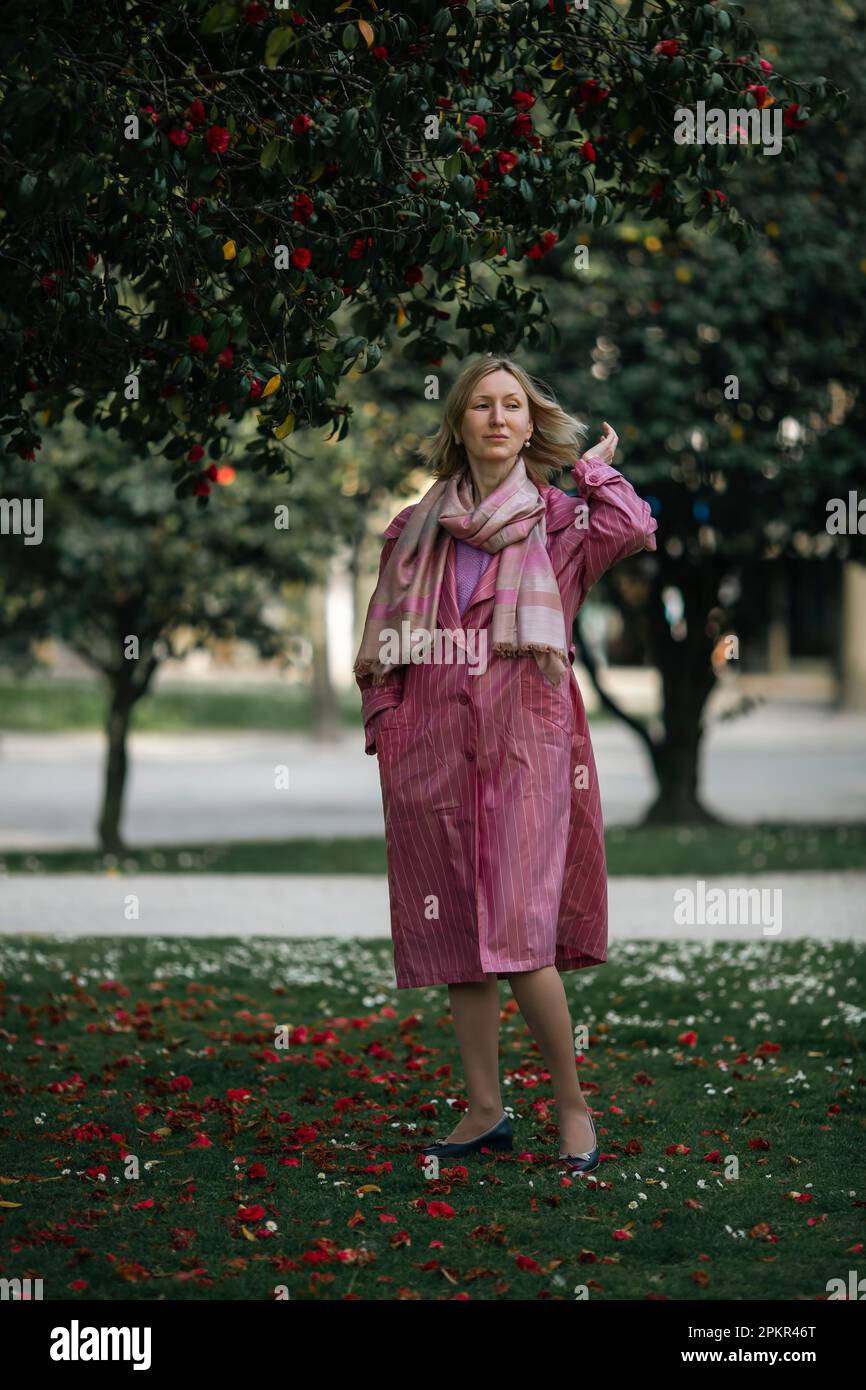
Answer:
(605, 449)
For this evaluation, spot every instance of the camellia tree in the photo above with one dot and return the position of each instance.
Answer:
(216, 209)
(738, 385)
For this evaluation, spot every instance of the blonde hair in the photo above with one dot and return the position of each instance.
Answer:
(556, 435)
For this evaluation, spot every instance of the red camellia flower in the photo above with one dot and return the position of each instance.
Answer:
(479, 125)
(412, 274)
(358, 247)
(302, 208)
(711, 193)
(542, 247)
(594, 94)
(196, 113)
(195, 453)
(522, 123)
(656, 190)
(178, 137)
(506, 159)
(445, 102)
(211, 472)
(301, 257)
(226, 357)
(91, 260)
(765, 66)
(217, 139)
(482, 188)
(668, 48)
(256, 388)
(790, 119)
(380, 53)
(253, 1213)
(202, 488)
(255, 14)
(300, 124)
(762, 94)
(587, 151)
(522, 99)
(197, 343)
(201, 1141)
(151, 112)
(688, 1039)
(417, 177)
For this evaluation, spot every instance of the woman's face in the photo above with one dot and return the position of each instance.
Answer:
(496, 422)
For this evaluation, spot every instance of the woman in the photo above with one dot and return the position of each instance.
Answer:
(493, 822)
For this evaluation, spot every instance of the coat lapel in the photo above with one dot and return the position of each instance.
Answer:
(449, 613)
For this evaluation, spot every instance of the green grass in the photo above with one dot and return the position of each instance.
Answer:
(55, 707)
(642, 850)
(65, 707)
(119, 1050)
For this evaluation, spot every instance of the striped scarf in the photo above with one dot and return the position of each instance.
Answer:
(527, 609)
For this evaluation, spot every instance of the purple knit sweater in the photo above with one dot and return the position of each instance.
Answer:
(471, 564)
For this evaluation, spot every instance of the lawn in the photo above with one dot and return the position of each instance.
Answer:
(40, 706)
(653, 850)
(157, 1144)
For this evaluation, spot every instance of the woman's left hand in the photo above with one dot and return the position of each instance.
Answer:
(606, 446)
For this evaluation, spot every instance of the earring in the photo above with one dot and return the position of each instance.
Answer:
(526, 443)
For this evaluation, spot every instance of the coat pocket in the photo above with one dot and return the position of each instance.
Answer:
(542, 700)
(415, 773)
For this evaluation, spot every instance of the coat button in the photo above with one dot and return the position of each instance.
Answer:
(470, 756)
(464, 699)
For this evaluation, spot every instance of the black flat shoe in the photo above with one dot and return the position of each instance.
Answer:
(499, 1138)
(584, 1163)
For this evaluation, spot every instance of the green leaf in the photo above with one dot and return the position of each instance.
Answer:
(219, 18)
(278, 41)
(269, 153)
(218, 338)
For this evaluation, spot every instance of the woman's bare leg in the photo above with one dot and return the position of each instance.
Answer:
(540, 996)
(475, 1010)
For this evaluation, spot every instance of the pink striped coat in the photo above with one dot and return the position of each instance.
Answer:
(493, 821)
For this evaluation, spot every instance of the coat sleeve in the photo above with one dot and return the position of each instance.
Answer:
(619, 523)
(375, 698)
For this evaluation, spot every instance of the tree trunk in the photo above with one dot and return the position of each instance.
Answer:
(125, 693)
(676, 763)
(114, 784)
(688, 677)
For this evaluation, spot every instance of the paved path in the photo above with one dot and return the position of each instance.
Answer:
(788, 763)
(817, 906)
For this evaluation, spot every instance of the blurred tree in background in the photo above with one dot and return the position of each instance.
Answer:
(127, 579)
